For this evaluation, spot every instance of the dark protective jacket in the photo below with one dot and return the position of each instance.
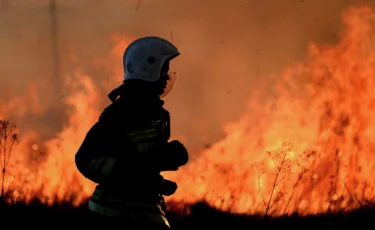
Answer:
(125, 151)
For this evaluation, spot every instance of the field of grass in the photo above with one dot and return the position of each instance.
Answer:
(201, 217)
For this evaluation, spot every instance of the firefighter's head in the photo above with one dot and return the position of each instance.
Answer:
(147, 60)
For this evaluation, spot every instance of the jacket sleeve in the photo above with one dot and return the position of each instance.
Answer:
(92, 158)
(109, 147)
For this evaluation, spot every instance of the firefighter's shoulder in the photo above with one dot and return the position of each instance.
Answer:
(110, 112)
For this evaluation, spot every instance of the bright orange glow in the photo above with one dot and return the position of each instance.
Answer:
(310, 148)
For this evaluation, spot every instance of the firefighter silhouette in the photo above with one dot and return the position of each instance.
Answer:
(129, 146)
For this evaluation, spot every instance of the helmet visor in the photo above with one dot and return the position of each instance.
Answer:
(170, 83)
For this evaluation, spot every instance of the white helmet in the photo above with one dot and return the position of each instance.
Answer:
(144, 58)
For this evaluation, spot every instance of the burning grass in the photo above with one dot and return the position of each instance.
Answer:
(305, 145)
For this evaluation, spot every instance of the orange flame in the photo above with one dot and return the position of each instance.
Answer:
(324, 111)
(306, 145)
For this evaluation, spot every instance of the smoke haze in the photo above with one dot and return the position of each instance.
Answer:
(227, 48)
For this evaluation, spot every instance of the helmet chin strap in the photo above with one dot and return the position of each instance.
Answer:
(117, 92)
(114, 94)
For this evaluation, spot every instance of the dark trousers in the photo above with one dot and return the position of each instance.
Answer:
(96, 221)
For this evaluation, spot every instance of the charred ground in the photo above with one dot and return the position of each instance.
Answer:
(63, 215)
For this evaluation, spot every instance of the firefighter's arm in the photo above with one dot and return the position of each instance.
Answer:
(91, 158)
(154, 152)
(141, 149)
(153, 148)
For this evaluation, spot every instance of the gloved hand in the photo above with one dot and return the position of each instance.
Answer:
(165, 187)
(168, 187)
(176, 155)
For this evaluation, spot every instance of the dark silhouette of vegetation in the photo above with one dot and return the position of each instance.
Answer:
(8, 139)
(201, 216)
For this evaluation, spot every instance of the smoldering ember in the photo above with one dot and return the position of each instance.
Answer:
(274, 101)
